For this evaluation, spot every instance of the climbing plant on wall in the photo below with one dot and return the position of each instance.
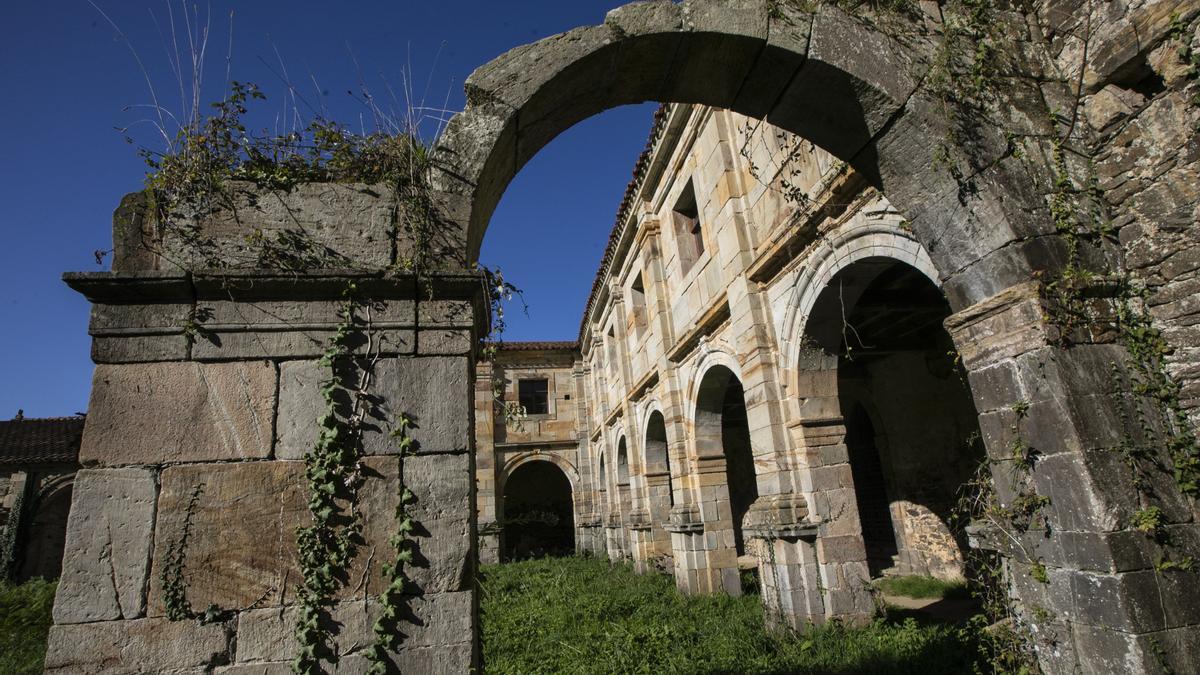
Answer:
(194, 178)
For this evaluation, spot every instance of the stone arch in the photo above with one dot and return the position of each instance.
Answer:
(656, 448)
(874, 336)
(538, 507)
(44, 535)
(711, 358)
(622, 461)
(514, 461)
(832, 255)
(763, 60)
(722, 437)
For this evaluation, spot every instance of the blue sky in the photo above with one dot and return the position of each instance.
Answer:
(67, 80)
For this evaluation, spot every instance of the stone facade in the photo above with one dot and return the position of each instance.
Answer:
(549, 435)
(728, 408)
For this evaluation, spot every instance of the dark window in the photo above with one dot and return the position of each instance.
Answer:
(637, 303)
(533, 396)
(689, 236)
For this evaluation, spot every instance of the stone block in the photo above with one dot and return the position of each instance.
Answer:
(137, 333)
(326, 225)
(140, 646)
(159, 413)
(242, 552)
(106, 560)
(864, 78)
(242, 548)
(432, 391)
(134, 240)
(139, 348)
(437, 621)
(442, 484)
(788, 31)
(295, 328)
(444, 343)
(845, 548)
(717, 51)
(299, 343)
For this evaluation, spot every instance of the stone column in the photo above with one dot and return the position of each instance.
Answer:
(658, 488)
(487, 498)
(720, 571)
(687, 544)
(1101, 591)
(836, 561)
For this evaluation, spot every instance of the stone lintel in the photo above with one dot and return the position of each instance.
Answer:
(247, 285)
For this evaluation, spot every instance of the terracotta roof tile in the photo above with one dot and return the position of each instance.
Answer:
(627, 202)
(39, 441)
(532, 346)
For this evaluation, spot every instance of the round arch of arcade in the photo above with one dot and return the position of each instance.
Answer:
(709, 359)
(515, 461)
(832, 256)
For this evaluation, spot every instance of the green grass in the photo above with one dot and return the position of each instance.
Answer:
(24, 623)
(922, 587)
(583, 615)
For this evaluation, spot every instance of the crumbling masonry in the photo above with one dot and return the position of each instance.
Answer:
(760, 330)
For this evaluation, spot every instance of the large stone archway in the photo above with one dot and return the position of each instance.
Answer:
(240, 399)
(844, 85)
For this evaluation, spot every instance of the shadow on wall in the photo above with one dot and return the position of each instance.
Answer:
(538, 518)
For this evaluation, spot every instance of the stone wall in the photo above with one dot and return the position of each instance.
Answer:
(502, 445)
(204, 405)
(1137, 97)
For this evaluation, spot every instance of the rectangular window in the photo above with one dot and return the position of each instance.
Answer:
(637, 305)
(611, 345)
(533, 396)
(689, 236)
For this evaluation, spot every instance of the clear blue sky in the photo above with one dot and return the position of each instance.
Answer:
(66, 80)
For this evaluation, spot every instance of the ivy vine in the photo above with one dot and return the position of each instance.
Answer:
(392, 600)
(333, 469)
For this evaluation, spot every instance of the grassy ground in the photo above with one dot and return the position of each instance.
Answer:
(581, 615)
(922, 587)
(24, 622)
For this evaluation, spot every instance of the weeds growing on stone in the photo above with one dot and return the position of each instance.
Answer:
(922, 587)
(585, 615)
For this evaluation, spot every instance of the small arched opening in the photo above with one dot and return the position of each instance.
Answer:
(911, 426)
(45, 534)
(539, 519)
(722, 431)
(659, 487)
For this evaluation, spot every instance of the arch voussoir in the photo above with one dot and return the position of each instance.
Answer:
(863, 78)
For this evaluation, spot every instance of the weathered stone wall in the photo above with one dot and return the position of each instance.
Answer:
(204, 404)
(1137, 98)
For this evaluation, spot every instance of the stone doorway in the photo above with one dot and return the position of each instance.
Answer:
(911, 424)
(723, 442)
(539, 519)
